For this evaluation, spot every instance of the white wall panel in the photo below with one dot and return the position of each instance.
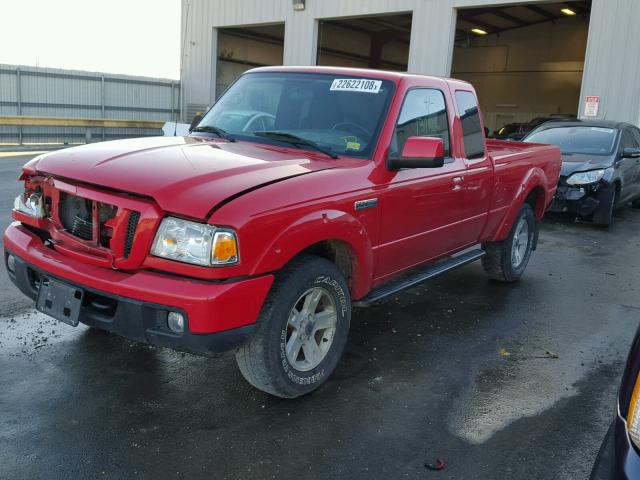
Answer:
(612, 66)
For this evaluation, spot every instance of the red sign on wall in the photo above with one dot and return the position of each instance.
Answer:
(592, 106)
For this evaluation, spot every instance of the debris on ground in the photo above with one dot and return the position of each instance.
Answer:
(439, 464)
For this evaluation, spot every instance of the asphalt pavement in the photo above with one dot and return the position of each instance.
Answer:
(499, 381)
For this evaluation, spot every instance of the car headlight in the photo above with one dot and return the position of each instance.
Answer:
(30, 203)
(585, 178)
(633, 417)
(196, 243)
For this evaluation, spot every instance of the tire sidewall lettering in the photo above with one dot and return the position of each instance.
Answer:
(319, 373)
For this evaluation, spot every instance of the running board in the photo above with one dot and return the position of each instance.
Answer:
(418, 277)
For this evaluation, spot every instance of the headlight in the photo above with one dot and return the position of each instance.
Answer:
(29, 203)
(584, 178)
(197, 243)
(633, 418)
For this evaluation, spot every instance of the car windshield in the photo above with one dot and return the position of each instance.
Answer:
(340, 114)
(583, 139)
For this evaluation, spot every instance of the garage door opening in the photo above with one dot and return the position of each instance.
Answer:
(380, 41)
(526, 62)
(243, 48)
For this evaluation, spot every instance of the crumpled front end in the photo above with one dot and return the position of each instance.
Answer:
(92, 246)
(584, 201)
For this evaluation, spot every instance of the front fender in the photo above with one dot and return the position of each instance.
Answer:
(535, 178)
(317, 227)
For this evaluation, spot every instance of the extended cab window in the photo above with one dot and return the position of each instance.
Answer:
(423, 114)
(340, 113)
(471, 127)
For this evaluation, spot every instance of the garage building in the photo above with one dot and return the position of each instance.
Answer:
(527, 59)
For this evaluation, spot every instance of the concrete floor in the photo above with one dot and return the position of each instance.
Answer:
(456, 369)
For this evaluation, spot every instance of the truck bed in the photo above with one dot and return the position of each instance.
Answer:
(503, 151)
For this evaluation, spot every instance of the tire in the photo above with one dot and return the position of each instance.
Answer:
(500, 263)
(603, 216)
(269, 361)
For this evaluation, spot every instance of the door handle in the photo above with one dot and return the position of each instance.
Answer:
(457, 183)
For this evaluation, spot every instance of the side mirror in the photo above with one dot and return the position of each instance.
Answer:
(195, 121)
(419, 152)
(631, 152)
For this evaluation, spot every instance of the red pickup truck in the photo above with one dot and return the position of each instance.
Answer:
(301, 193)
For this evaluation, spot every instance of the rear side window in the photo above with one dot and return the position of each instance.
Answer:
(423, 114)
(471, 128)
(627, 140)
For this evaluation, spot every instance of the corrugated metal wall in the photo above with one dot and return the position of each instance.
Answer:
(52, 92)
(611, 67)
(612, 64)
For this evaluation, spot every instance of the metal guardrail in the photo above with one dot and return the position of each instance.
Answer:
(99, 124)
(23, 121)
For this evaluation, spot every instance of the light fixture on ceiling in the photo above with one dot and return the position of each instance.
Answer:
(298, 4)
(568, 12)
(479, 31)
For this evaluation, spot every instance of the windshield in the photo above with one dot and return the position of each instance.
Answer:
(340, 113)
(587, 140)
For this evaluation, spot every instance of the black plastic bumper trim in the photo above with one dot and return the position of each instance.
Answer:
(134, 319)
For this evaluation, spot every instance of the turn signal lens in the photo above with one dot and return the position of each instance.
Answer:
(633, 419)
(225, 248)
(195, 242)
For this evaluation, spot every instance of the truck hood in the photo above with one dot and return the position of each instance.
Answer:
(578, 162)
(184, 175)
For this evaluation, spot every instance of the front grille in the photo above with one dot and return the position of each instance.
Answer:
(78, 217)
(75, 215)
(132, 225)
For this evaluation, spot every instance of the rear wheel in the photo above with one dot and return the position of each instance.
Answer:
(507, 260)
(302, 330)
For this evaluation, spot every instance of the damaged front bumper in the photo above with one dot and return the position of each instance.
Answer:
(584, 201)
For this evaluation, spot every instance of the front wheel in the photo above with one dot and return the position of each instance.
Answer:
(608, 197)
(301, 332)
(507, 260)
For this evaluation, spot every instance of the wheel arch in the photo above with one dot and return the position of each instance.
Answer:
(533, 190)
(334, 235)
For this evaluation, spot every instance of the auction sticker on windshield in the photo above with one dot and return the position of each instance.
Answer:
(356, 85)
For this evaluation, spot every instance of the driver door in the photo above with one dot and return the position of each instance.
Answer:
(420, 207)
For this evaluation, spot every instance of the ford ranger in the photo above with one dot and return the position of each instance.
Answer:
(302, 192)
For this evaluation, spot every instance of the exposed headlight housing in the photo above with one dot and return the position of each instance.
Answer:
(195, 243)
(585, 178)
(30, 203)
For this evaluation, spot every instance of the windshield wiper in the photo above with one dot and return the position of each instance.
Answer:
(215, 130)
(295, 140)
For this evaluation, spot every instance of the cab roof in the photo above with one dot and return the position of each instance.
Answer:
(584, 123)
(360, 72)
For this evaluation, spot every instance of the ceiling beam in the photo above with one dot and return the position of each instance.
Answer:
(509, 17)
(388, 25)
(541, 11)
(347, 26)
(252, 35)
